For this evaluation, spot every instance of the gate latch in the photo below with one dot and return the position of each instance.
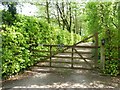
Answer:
(103, 41)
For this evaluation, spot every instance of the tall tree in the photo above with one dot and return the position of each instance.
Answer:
(119, 29)
(70, 10)
(63, 12)
(10, 13)
(47, 11)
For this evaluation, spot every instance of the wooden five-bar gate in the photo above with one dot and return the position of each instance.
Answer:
(71, 52)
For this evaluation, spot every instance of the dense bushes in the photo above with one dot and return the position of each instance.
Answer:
(17, 40)
(103, 17)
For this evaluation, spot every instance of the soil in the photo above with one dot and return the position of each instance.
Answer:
(44, 77)
(62, 78)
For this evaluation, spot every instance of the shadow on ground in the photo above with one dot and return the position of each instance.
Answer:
(62, 78)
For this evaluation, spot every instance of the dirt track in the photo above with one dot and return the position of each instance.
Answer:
(64, 78)
(41, 77)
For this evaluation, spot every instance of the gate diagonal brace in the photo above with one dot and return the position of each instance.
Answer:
(83, 58)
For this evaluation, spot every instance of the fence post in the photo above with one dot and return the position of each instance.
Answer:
(72, 58)
(50, 55)
(102, 62)
(96, 49)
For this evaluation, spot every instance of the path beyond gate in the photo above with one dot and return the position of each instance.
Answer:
(82, 55)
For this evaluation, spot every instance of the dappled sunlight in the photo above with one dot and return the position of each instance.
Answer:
(87, 44)
(56, 44)
(41, 75)
(83, 50)
(81, 71)
(68, 85)
(66, 78)
(63, 55)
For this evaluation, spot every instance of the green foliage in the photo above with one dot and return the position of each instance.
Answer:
(18, 40)
(15, 53)
(102, 17)
(10, 13)
(111, 67)
(7, 17)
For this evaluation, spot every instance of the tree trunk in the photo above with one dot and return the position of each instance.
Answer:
(63, 17)
(119, 30)
(63, 14)
(70, 16)
(47, 11)
(58, 16)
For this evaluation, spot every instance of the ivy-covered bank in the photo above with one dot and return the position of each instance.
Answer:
(17, 40)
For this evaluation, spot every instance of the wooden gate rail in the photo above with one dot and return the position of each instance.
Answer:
(62, 52)
(63, 62)
(69, 46)
(83, 58)
(63, 57)
(66, 67)
(65, 47)
(51, 52)
(96, 50)
(72, 55)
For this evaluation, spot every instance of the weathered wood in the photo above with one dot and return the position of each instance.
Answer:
(84, 40)
(50, 55)
(62, 57)
(72, 58)
(83, 58)
(87, 46)
(42, 51)
(102, 62)
(70, 46)
(67, 62)
(65, 46)
(66, 67)
(79, 52)
(96, 49)
(74, 51)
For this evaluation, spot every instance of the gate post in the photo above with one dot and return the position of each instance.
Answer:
(102, 62)
(96, 49)
(72, 58)
(50, 55)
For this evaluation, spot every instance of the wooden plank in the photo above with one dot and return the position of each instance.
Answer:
(42, 51)
(83, 58)
(66, 62)
(79, 52)
(96, 50)
(84, 40)
(87, 46)
(64, 46)
(67, 46)
(102, 62)
(72, 58)
(61, 57)
(66, 67)
(46, 57)
(70, 46)
(50, 55)
(79, 42)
